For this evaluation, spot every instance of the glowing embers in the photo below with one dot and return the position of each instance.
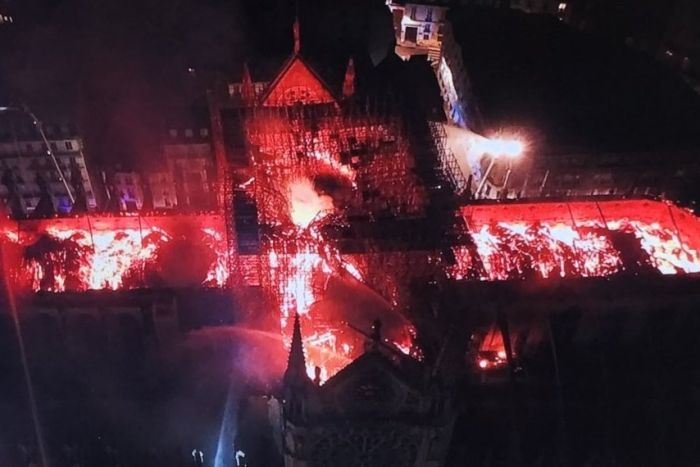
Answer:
(512, 250)
(66, 256)
(307, 276)
(75, 260)
(666, 251)
(299, 274)
(492, 351)
(325, 352)
(509, 250)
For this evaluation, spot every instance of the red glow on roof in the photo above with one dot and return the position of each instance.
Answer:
(577, 239)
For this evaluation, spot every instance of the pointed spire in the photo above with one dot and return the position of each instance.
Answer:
(297, 35)
(296, 365)
(247, 86)
(349, 82)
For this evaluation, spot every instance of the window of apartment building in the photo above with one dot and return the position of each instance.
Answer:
(204, 132)
(429, 15)
(426, 32)
(69, 145)
(173, 133)
(413, 12)
(54, 147)
(189, 133)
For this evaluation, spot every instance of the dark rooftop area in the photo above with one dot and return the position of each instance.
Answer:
(570, 90)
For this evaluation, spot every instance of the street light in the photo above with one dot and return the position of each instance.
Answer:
(511, 149)
(37, 123)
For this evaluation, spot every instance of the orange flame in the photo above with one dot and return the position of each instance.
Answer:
(105, 258)
(305, 204)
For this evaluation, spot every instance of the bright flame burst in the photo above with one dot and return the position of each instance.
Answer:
(302, 276)
(305, 204)
(300, 266)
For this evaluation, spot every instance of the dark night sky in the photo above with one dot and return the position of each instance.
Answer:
(118, 67)
(574, 90)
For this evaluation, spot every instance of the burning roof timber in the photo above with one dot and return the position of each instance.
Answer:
(117, 252)
(585, 238)
(505, 241)
(305, 273)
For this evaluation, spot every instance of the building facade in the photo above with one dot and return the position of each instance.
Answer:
(419, 26)
(422, 28)
(382, 409)
(189, 159)
(30, 178)
(184, 181)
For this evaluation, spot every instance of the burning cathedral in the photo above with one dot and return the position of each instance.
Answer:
(337, 201)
